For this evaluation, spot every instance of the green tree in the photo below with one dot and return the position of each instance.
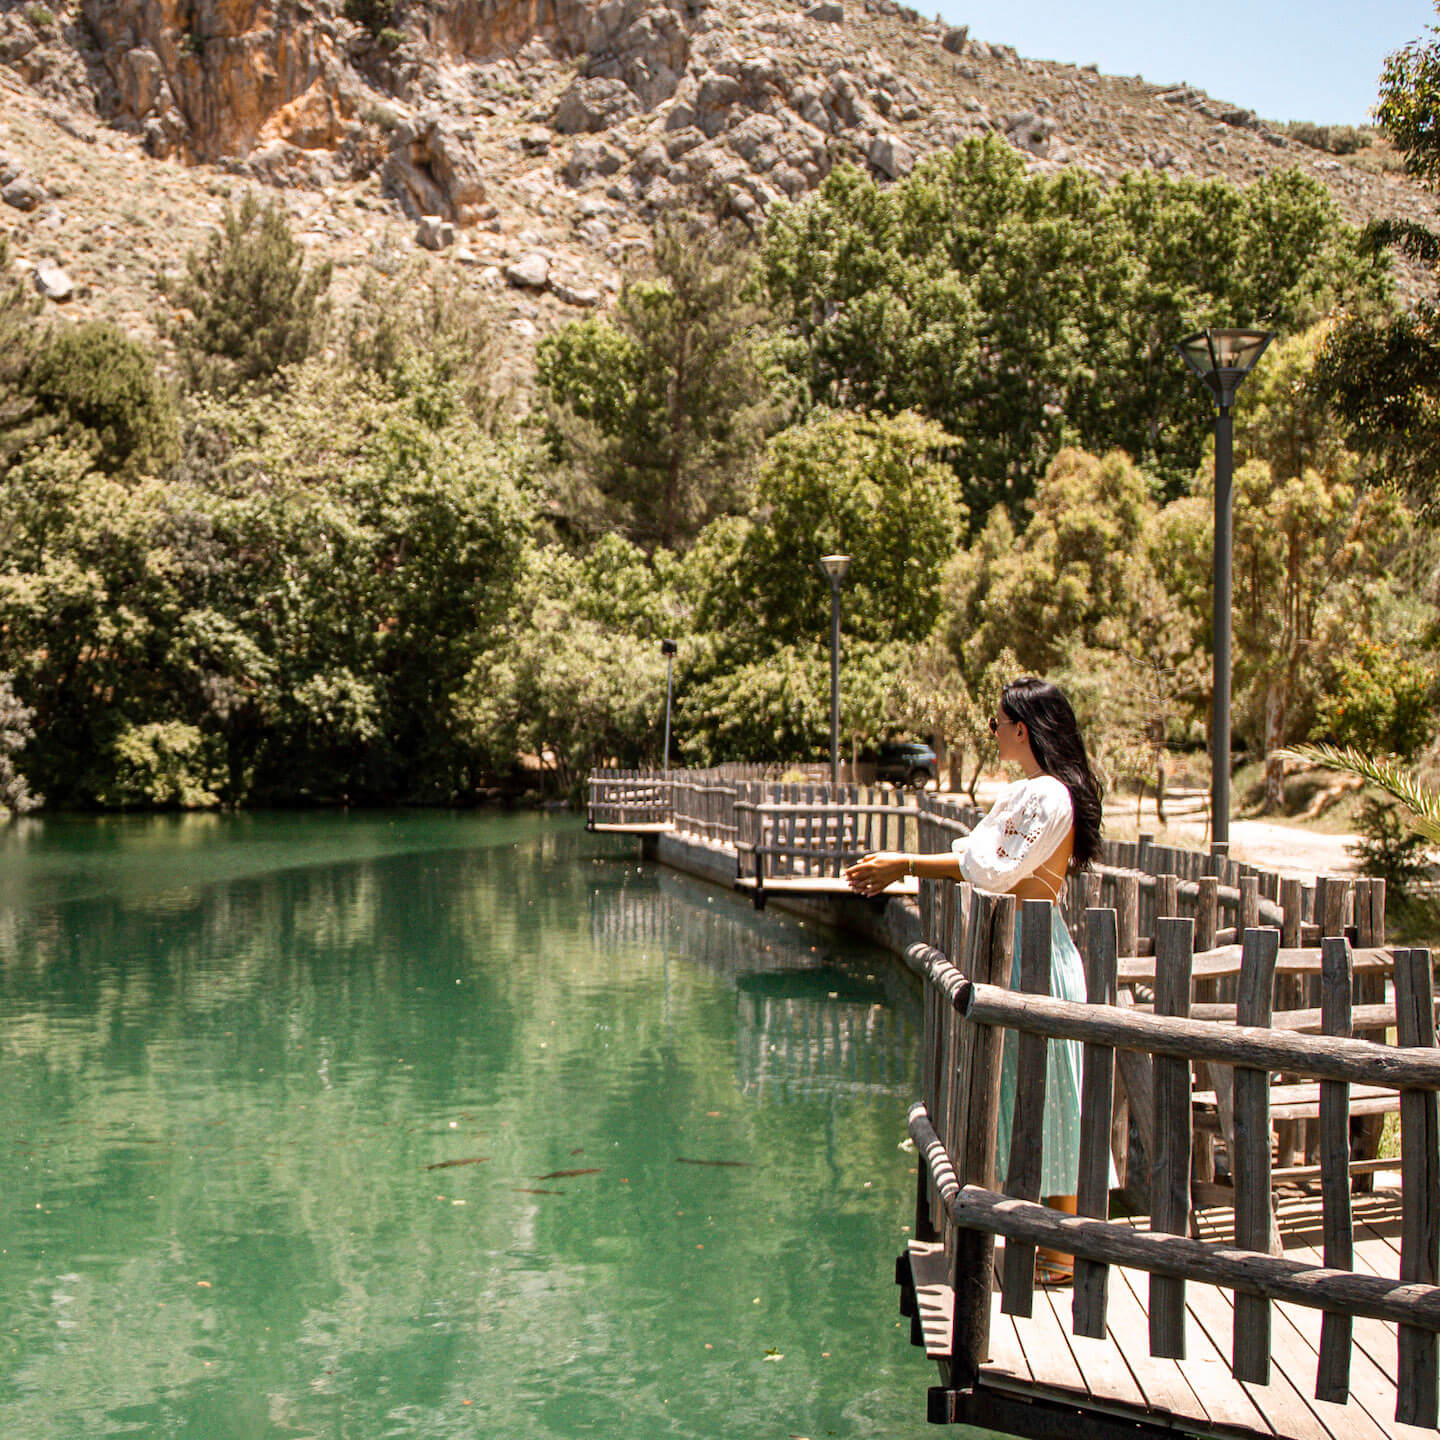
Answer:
(101, 392)
(89, 586)
(422, 332)
(1084, 595)
(1310, 548)
(655, 414)
(576, 671)
(17, 729)
(1024, 313)
(868, 486)
(1381, 372)
(248, 305)
(777, 706)
(373, 538)
(292, 617)
(1409, 103)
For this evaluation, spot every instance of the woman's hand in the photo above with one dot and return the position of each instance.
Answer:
(870, 875)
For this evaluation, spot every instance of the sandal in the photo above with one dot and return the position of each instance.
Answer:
(1053, 1275)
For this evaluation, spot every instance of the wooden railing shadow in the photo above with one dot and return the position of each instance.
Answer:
(967, 1196)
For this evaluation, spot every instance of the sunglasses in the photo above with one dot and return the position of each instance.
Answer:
(995, 724)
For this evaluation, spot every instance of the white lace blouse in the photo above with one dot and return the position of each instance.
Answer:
(1024, 828)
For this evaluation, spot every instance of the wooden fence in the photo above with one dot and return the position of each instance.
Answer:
(966, 965)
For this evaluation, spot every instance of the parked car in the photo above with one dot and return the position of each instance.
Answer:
(906, 762)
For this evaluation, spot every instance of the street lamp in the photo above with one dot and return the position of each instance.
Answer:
(668, 649)
(836, 567)
(1222, 359)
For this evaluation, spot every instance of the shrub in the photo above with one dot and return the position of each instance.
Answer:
(1376, 699)
(374, 15)
(1388, 847)
(252, 306)
(1332, 139)
(101, 386)
(166, 764)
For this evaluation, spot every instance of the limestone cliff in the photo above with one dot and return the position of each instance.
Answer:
(536, 140)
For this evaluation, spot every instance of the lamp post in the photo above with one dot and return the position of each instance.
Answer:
(836, 567)
(1222, 359)
(667, 649)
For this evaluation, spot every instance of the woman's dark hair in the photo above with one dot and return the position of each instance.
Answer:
(1059, 751)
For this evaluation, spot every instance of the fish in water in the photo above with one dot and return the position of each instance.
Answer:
(451, 1164)
(721, 1164)
(520, 1190)
(566, 1174)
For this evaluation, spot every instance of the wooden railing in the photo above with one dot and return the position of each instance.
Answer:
(815, 831)
(628, 797)
(966, 963)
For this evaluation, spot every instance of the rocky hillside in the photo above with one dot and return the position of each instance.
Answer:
(526, 145)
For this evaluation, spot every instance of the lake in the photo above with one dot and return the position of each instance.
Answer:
(416, 1124)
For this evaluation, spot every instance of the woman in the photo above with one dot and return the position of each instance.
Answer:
(1039, 829)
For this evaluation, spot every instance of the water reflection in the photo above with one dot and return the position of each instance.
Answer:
(288, 1104)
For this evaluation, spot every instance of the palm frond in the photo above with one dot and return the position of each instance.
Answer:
(1422, 802)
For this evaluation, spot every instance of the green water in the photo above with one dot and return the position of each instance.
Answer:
(282, 1099)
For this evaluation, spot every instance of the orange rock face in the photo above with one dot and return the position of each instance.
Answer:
(205, 79)
(479, 28)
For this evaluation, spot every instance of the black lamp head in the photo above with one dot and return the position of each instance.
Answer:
(1223, 358)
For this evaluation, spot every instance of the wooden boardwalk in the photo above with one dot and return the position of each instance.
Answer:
(1037, 1358)
(1241, 1325)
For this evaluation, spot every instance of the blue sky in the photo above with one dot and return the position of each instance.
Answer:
(1289, 61)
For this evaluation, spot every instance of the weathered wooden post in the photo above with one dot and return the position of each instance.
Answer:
(1418, 1400)
(1170, 1161)
(1092, 1198)
(1135, 1069)
(1022, 1178)
(1332, 1376)
(992, 942)
(1254, 1219)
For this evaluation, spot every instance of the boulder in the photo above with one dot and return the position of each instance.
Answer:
(644, 43)
(23, 192)
(530, 272)
(536, 141)
(594, 103)
(432, 170)
(434, 232)
(591, 157)
(828, 12)
(583, 296)
(1029, 131)
(52, 282)
(954, 39)
(890, 154)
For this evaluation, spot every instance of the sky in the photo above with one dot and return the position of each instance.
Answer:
(1284, 59)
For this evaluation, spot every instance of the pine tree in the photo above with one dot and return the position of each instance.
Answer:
(657, 414)
(248, 305)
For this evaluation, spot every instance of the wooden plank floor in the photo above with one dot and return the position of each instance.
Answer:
(1039, 1356)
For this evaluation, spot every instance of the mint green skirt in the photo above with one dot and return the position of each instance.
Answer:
(1060, 1136)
